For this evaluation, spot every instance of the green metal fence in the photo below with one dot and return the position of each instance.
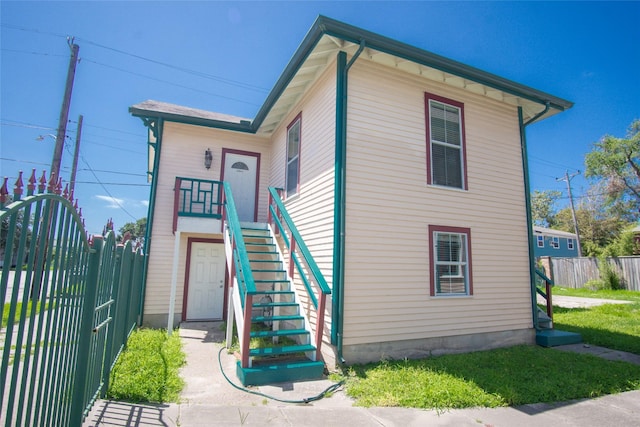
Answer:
(69, 306)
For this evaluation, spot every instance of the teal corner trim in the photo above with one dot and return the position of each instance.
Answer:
(340, 195)
(527, 196)
(338, 211)
(156, 126)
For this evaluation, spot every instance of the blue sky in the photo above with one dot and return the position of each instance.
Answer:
(226, 56)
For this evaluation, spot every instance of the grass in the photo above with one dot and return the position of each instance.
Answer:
(16, 317)
(615, 326)
(148, 370)
(518, 375)
(503, 377)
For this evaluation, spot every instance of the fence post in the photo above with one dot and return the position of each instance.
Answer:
(84, 339)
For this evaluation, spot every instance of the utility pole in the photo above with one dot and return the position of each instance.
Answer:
(76, 152)
(64, 112)
(567, 178)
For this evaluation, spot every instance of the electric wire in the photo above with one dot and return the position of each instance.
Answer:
(319, 396)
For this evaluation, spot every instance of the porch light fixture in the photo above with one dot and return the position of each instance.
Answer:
(208, 158)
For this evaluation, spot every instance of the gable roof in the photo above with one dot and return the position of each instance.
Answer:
(322, 43)
(551, 232)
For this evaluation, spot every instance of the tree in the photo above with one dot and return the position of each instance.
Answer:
(136, 230)
(598, 226)
(616, 162)
(543, 206)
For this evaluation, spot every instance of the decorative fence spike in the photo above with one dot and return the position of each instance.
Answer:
(51, 185)
(17, 189)
(65, 193)
(32, 183)
(4, 192)
(59, 187)
(42, 183)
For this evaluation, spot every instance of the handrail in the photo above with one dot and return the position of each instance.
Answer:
(236, 236)
(547, 292)
(297, 238)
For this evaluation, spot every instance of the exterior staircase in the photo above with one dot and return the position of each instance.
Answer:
(546, 335)
(281, 347)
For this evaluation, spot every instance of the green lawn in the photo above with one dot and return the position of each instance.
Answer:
(517, 375)
(148, 369)
(615, 326)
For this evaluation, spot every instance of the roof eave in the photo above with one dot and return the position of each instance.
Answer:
(324, 25)
(198, 121)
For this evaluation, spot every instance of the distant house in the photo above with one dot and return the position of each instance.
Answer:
(403, 172)
(554, 243)
(636, 236)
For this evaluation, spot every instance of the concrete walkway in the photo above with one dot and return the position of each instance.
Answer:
(209, 400)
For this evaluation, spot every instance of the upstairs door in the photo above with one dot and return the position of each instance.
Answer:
(205, 285)
(241, 171)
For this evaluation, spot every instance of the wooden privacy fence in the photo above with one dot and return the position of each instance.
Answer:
(575, 272)
(68, 307)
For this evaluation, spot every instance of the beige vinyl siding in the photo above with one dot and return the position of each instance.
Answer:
(312, 208)
(390, 206)
(182, 154)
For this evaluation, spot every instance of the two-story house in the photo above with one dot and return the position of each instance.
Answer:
(403, 173)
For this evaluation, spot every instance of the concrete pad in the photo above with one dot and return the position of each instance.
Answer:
(602, 352)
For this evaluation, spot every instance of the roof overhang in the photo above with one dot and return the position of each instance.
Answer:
(319, 48)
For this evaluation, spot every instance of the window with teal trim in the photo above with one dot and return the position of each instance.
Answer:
(540, 241)
(446, 162)
(450, 261)
(292, 176)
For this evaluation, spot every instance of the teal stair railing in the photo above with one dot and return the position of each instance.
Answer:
(241, 274)
(542, 279)
(300, 261)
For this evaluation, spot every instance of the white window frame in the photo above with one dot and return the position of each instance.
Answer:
(555, 242)
(459, 268)
(570, 244)
(435, 100)
(293, 130)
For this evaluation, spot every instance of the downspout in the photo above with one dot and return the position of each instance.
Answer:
(156, 127)
(527, 192)
(337, 318)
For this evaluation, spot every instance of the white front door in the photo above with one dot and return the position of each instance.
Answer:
(205, 293)
(241, 172)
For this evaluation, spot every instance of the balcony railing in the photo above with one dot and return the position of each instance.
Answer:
(196, 198)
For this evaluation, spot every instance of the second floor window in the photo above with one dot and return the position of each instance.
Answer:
(292, 177)
(446, 164)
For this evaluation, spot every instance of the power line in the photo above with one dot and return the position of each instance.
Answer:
(224, 80)
(34, 53)
(182, 69)
(170, 83)
(105, 189)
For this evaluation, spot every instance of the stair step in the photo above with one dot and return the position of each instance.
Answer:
(278, 333)
(276, 351)
(275, 304)
(279, 372)
(271, 292)
(554, 338)
(259, 319)
(268, 271)
(272, 281)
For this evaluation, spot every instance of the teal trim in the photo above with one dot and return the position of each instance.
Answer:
(338, 211)
(235, 230)
(527, 196)
(328, 26)
(156, 126)
(300, 244)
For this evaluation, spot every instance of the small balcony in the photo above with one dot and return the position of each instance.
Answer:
(197, 205)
